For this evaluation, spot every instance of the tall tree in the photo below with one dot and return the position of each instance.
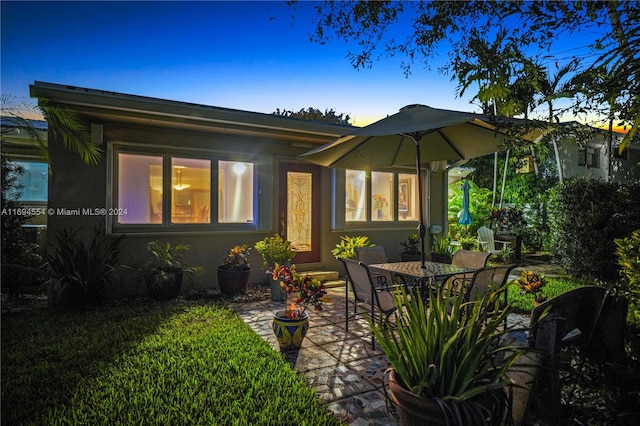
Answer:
(420, 30)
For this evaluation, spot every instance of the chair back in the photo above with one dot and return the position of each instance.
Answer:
(485, 237)
(372, 255)
(364, 286)
(486, 280)
(470, 259)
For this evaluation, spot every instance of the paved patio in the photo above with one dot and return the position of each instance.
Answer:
(342, 367)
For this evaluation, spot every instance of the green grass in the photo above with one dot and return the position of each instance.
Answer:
(162, 363)
(523, 303)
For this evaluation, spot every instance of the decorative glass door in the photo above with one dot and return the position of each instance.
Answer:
(299, 210)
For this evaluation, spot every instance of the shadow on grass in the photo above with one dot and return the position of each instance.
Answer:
(44, 350)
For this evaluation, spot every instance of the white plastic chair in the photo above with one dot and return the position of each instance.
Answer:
(488, 243)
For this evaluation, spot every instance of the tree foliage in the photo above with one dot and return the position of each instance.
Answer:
(586, 216)
(516, 40)
(314, 114)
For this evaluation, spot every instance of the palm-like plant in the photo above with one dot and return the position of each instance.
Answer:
(451, 352)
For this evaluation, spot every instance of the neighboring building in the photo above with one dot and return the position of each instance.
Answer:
(20, 147)
(215, 177)
(593, 160)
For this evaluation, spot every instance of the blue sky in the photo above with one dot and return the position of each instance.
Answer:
(243, 55)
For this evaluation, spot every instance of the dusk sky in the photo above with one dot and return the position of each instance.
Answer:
(245, 55)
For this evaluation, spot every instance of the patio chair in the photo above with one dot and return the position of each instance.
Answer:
(487, 241)
(482, 282)
(590, 318)
(372, 255)
(374, 292)
(467, 259)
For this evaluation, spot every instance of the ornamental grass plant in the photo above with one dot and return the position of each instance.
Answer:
(169, 363)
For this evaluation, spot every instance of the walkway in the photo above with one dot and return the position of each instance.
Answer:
(343, 368)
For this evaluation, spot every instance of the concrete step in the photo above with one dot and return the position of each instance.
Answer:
(323, 275)
(334, 283)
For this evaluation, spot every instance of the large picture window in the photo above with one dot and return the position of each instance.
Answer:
(235, 201)
(167, 190)
(380, 196)
(140, 188)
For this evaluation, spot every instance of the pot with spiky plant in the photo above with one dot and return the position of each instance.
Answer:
(233, 276)
(448, 363)
(164, 272)
(410, 248)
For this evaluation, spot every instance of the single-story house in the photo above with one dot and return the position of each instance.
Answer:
(214, 178)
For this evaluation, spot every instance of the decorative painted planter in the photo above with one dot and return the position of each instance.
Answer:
(233, 281)
(290, 332)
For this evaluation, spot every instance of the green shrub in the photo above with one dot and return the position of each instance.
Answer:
(586, 216)
(628, 252)
(345, 249)
(80, 273)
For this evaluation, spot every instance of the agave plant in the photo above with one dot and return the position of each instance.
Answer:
(450, 352)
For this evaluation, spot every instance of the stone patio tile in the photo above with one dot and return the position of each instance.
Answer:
(309, 357)
(337, 382)
(326, 334)
(368, 408)
(373, 369)
(351, 349)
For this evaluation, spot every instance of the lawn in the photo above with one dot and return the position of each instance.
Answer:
(148, 363)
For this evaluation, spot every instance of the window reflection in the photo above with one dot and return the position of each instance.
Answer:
(382, 198)
(190, 190)
(235, 192)
(140, 188)
(356, 196)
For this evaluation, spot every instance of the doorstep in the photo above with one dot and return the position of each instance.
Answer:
(329, 278)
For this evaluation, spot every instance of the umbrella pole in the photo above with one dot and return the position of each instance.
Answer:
(421, 228)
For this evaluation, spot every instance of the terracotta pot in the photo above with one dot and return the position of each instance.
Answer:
(233, 281)
(418, 411)
(412, 408)
(290, 332)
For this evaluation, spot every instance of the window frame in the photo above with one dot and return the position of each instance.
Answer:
(583, 152)
(339, 214)
(166, 226)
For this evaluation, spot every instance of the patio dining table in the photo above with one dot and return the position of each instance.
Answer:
(424, 277)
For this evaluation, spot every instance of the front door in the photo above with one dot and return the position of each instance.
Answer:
(299, 210)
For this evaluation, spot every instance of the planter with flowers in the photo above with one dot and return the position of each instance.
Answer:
(291, 324)
(532, 283)
(379, 202)
(275, 250)
(233, 276)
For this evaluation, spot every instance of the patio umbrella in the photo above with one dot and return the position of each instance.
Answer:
(417, 134)
(465, 216)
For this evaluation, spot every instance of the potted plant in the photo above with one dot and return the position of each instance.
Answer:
(275, 250)
(448, 363)
(345, 249)
(410, 248)
(233, 276)
(441, 251)
(532, 283)
(290, 325)
(80, 273)
(164, 272)
(379, 203)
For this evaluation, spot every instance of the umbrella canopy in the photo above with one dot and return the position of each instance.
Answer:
(390, 142)
(465, 216)
(417, 134)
